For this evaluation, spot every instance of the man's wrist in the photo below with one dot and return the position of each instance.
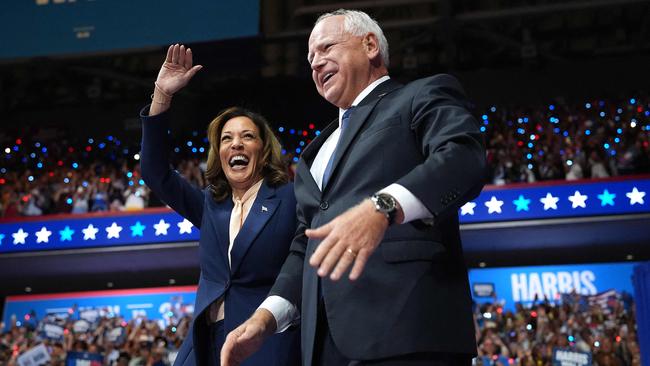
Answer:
(399, 214)
(388, 206)
(266, 320)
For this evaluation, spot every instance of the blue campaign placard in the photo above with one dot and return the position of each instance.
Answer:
(83, 359)
(565, 357)
(167, 304)
(513, 285)
(32, 28)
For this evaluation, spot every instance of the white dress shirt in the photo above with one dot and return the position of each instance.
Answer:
(285, 312)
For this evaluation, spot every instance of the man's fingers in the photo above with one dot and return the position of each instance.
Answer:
(346, 259)
(359, 264)
(228, 348)
(319, 232)
(322, 250)
(332, 257)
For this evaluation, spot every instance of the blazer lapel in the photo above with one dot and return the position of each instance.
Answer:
(221, 222)
(358, 119)
(261, 212)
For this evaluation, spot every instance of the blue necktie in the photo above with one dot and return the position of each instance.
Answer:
(328, 169)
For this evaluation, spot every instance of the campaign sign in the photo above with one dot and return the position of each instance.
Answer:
(483, 289)
(35, 356)
(167, 304)
(52, 331)
(83, 359)
(564, 357)
(526, 284)
(115, 335)
(89, 315)
(80, 326)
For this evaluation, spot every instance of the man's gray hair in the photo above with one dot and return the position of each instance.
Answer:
(359, 23)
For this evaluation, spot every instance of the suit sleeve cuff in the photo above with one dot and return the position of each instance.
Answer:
(284, 312)
(411, 206)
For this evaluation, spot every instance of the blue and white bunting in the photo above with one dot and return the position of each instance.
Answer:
(494, 204)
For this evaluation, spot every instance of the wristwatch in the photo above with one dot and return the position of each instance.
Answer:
(386, 204)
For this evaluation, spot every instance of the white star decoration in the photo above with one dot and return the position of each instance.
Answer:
(113, 231)
(578, 200)
(19, 236)
(635, 196)
(185, 226)
(495, 212)
(467, 209)
(494, 205)
(549, 201)
(90, 232)
(161, 227)
(43, 236)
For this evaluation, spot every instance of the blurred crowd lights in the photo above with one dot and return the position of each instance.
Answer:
(299, 138)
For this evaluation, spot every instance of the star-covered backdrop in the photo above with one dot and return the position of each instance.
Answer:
(495, 204)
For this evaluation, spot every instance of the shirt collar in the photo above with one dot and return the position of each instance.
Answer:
(251, 192)
(364, 93)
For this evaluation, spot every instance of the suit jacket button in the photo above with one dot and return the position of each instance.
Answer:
(324, 205)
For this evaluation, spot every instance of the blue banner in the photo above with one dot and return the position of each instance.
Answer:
(559, 200)
(51, 27)
(495, 204)
(524, 285)
(88, 231)
(165, 304)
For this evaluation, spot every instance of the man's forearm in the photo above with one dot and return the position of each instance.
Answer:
(265, 319)
(284, 313)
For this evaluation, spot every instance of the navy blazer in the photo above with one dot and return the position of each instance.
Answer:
(258, 253)
(413, 295)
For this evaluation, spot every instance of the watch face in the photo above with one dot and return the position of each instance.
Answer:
(385, 202)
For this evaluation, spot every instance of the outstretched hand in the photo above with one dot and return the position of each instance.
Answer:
(247, 338)
(348, 240)
(177, 70)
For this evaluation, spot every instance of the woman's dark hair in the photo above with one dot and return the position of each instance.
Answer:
(273, 169)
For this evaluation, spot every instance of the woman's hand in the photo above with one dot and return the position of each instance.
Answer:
(177, 70)
(175, 73)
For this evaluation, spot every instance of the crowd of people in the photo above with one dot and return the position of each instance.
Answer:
(138, 342)
(528, 336)
(604, 331)
(558, 141)
(593, 139)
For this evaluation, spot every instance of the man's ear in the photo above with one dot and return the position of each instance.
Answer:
(371, 45)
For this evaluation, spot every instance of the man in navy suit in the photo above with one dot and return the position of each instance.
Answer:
(378, 194)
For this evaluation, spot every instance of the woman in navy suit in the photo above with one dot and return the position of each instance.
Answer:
(246, 216)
